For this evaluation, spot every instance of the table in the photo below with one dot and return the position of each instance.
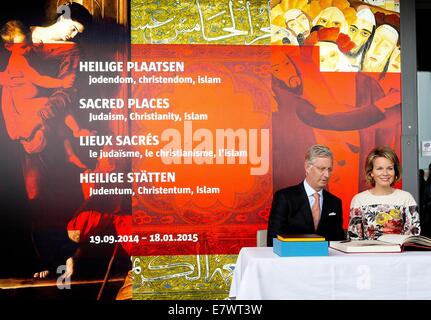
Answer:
(261, 274)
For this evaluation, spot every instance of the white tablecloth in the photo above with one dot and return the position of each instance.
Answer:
(261, 274)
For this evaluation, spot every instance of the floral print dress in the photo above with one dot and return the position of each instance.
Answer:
(372, 216)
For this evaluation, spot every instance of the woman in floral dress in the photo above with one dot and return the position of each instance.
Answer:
(382, 209)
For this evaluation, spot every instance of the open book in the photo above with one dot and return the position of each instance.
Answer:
(385, 243)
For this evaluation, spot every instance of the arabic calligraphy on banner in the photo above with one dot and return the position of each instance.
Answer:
(182, 277)
(200, 21)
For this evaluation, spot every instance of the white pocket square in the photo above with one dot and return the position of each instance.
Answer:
(332, 214)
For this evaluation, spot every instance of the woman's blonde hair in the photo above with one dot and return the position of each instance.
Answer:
(382, 152)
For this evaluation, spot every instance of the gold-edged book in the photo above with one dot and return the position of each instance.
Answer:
(300, 237)
(384, 243)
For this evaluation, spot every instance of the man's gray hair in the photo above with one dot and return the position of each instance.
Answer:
(317, 151)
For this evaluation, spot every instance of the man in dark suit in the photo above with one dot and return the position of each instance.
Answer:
(307, 207)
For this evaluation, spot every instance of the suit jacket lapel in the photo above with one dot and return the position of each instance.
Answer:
(325, 207)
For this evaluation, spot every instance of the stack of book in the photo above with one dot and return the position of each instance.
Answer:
(296, 245)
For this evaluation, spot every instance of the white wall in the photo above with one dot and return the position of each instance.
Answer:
(424, 114)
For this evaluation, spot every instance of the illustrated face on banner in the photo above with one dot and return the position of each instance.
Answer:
(280, 35)
(15, 38)
(395, 61)
(384, 42)
(331, 17)
(329, 56)
(284, 70)
(67, 29)
(361, 29)
(298, 23)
